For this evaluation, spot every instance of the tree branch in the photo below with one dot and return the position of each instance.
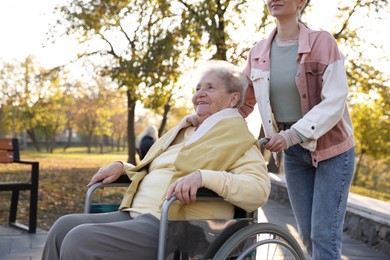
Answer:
(111, 51)
(346, 22)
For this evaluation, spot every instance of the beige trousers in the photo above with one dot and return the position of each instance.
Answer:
(112, 235)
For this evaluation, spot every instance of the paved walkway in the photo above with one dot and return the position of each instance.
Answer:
(19, 245)
(282, 215)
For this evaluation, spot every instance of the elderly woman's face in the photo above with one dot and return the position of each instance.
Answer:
(211, 96)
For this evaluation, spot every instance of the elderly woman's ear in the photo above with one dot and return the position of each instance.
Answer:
(235, 98)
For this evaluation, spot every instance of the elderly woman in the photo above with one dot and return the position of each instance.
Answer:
(219, 154)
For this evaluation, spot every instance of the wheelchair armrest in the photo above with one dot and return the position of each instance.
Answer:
(122, 181)
(204, 192)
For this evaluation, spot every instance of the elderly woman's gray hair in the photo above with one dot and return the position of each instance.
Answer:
(232, 77)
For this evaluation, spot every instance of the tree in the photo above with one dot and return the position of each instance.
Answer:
(214, 28)
(369, 99)
(119, 122)
(28, 88)
(50, 118)
(142, 42)
(150, 52)
(10, 79)
(96, 102)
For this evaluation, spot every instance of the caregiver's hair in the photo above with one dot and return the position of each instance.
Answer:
(232, 76)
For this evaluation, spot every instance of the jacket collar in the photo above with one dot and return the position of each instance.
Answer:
(303, 44)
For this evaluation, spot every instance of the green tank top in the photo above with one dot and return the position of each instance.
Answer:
(284, 95)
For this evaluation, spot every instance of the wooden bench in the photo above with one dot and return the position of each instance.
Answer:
(9, 153)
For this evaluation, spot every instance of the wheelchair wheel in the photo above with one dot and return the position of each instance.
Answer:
(260, 241)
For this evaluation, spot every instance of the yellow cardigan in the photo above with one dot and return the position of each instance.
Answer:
(218, 143)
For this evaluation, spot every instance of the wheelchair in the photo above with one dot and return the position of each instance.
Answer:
(239, 238)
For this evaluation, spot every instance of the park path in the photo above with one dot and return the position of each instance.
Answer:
(20, 245)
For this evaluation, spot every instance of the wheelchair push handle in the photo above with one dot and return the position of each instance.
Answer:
(263, 141)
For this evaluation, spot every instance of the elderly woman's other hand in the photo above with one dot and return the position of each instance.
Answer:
(185, 188)
(193, 120)
(107, 174)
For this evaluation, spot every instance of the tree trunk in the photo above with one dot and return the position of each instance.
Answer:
(112, 143)
(130, 128)
(220, 37)
(167, 107)
(118, 145)
(45, 131)
(101, 144)
(89, 142)
(34, 140)
(52, 145)
(69, 142)
(356, 175)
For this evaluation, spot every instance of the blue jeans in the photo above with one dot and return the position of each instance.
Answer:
(318, 198)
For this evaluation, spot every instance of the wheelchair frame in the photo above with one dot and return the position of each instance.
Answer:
(277, 234)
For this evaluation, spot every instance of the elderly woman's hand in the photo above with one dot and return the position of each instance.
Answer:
(107, 174)
(185, 188)
(193, 119)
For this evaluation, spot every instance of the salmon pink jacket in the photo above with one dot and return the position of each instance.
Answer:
(322, 85)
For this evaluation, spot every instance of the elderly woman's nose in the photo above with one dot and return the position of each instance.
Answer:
(200, 92)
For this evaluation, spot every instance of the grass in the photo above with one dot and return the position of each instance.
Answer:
(371, 193)
(62, 184)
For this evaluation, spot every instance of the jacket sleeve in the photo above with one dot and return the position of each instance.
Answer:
(325, 115)
(128, 169)
(246, 184)
(249, 101)
(249, 98)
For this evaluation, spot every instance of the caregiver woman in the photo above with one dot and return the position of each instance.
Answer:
(299, 82)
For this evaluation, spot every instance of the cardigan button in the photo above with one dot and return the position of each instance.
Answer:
(304, 96)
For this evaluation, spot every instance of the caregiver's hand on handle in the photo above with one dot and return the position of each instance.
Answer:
(276, 143)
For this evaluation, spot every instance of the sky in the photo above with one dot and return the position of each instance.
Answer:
(24, 24)
(23, 28)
